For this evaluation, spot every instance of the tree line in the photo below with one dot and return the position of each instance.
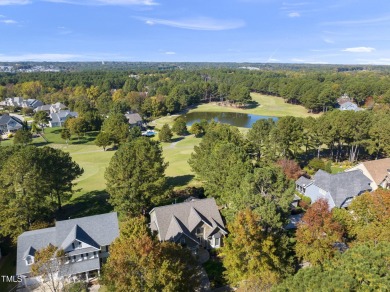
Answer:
(156, 93)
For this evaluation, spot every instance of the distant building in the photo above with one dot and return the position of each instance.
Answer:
(57, 119)
(338, 189)
(134, 119)
(350, 106)
(196, 223)
(85, 242)
(20, 102)
(51, 108)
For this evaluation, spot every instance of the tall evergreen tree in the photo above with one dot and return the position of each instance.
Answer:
(135, 176)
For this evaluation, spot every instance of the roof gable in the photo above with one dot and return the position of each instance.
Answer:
(188, 216)
(378, 169)
(77, 233)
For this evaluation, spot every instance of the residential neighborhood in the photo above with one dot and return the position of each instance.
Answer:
(191, 178)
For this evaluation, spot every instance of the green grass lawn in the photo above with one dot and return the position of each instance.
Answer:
(177, 154)
(267, 106)
(94, 162)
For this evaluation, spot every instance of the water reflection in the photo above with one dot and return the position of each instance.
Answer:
(234, 119)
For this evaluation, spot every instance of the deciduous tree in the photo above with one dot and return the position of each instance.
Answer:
(317, 234)
(250, 255)
(139, 262)
(103, 140)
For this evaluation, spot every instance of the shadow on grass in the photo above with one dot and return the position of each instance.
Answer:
(251, 104)
(177, 139)
(92, 203)
(179, 181)
(39, 144)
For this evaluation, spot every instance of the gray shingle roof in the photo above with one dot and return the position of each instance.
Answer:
(98, 230)
(133, 118)
(5, 119)
(342, 185)
(184, 217)
(303, 181)
(80, 267)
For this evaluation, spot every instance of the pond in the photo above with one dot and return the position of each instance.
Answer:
(235, 119)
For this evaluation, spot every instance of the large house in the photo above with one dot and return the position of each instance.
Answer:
(51, 108)
(9, 124)
(338, 189)
(57, 119)
(378, 171)
(85, 242)
(196, 223)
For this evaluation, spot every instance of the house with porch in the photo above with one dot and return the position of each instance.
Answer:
(338, 189)
(196, 223)
(378, 171)
(85, 242)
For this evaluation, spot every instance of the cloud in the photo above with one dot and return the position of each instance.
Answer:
(359, 21)
(359, 50)
(39, 57)
(199, 23)
(14, 2)
(329, 41)
(170, 53)
(8, 21)
(106, 2)
(294, 14)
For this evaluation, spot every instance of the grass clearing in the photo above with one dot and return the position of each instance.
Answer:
(94, 162)
(267, 106)
(177, 154)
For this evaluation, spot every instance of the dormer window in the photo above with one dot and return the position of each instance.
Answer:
(29, 260)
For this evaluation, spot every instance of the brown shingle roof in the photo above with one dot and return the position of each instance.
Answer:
(378, 169)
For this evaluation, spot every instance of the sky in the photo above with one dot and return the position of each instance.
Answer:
(256, 31)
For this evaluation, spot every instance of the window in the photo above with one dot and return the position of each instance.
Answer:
(74, 258)
(199, 230)
(29, 260)
(79, 243)
(182, 240)
(217, 242)
(73, 245)
(107, 248)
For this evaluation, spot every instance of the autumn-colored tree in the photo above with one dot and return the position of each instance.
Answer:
(139, 262)
(317, 234)
(368, 217)
(250, 255)
(290, 168)
(361, 268)
(48, 262)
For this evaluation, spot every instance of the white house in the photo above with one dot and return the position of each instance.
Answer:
(57, 119)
